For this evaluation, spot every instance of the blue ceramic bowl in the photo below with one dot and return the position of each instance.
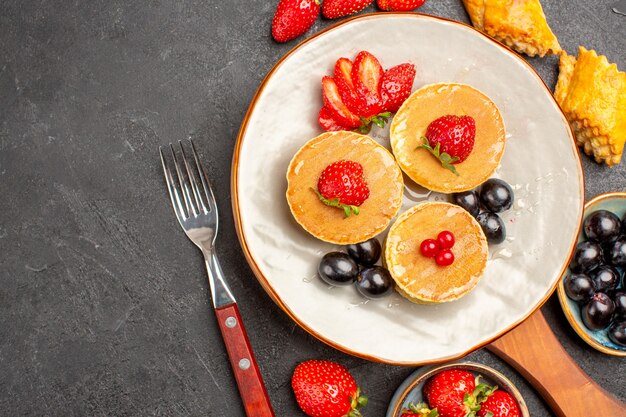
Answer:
(410, 391)
(616, 203)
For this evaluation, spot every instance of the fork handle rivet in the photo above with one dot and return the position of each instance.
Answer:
(230, 322)
(244, 364)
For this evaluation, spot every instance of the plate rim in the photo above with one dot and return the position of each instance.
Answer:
(567, 311)
(237, 213)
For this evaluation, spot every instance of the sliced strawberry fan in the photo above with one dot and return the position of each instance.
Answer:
(361, 93)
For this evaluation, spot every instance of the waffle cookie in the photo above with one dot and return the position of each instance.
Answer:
(519, 24)
(592, 94)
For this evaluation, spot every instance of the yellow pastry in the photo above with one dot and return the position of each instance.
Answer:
(519, 24)
(419, 278)
(592, 94)
(330, 224)
(431, 102)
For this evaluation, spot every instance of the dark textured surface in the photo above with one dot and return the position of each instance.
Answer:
(103, 301)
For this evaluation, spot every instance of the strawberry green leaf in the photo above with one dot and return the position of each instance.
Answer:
(356, 402)
(379, 120)
(348, 210)
(445, 159)
(422, 410)
(365, 126)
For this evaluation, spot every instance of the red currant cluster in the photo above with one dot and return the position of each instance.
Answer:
(440, 248)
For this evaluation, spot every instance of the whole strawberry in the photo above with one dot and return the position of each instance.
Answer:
(499, 404)
(399, 5)
(451, 393)
(342, 184)
(326, 389)
(332, 9)
(293, 18)
(450, 139)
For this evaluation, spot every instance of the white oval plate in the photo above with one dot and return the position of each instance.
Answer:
(541, 162)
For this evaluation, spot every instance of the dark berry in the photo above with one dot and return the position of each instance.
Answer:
(365, 253)
(429, 248)
(445, 239)
(605, 278)
(338, 268)
(579, 287)
(616, 252)
(374, 282)
(598, 312)
(588, 255)
(619, 299)
(617, 333)
(492, 226)
(602, 226)
(496, 195)
(444, 257)
(468, 200)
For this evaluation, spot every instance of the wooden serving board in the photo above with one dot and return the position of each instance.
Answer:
(536, 353)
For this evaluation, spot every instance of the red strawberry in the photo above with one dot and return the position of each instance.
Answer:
(332, 9)
(293, 18)
(450, 392)
(451, 139)
(366, 76)
(328, 122)
(499, 404)
(326, 389)
(395, 86)
(343, 78)
(342, 184)
(399, 5)
(332, 100)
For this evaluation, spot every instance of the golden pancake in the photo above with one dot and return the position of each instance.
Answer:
(431, 102)
(419, 278)
(382, 174)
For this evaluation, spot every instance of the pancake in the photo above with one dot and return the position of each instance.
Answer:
(382, 174)
(419, 278)
(431, 102)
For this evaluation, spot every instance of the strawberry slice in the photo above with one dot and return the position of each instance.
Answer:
(332, 101)
(328, 122)
(396, 85)
(366, 75)
(343, 77)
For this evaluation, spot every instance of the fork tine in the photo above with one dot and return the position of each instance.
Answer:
(208, 191)
(192, 179)
(191, 209)
(174, 195)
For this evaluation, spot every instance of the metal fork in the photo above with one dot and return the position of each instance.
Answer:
(196, 211)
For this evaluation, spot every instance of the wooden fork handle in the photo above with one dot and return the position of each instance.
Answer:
(249, 381)
(536, 353)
